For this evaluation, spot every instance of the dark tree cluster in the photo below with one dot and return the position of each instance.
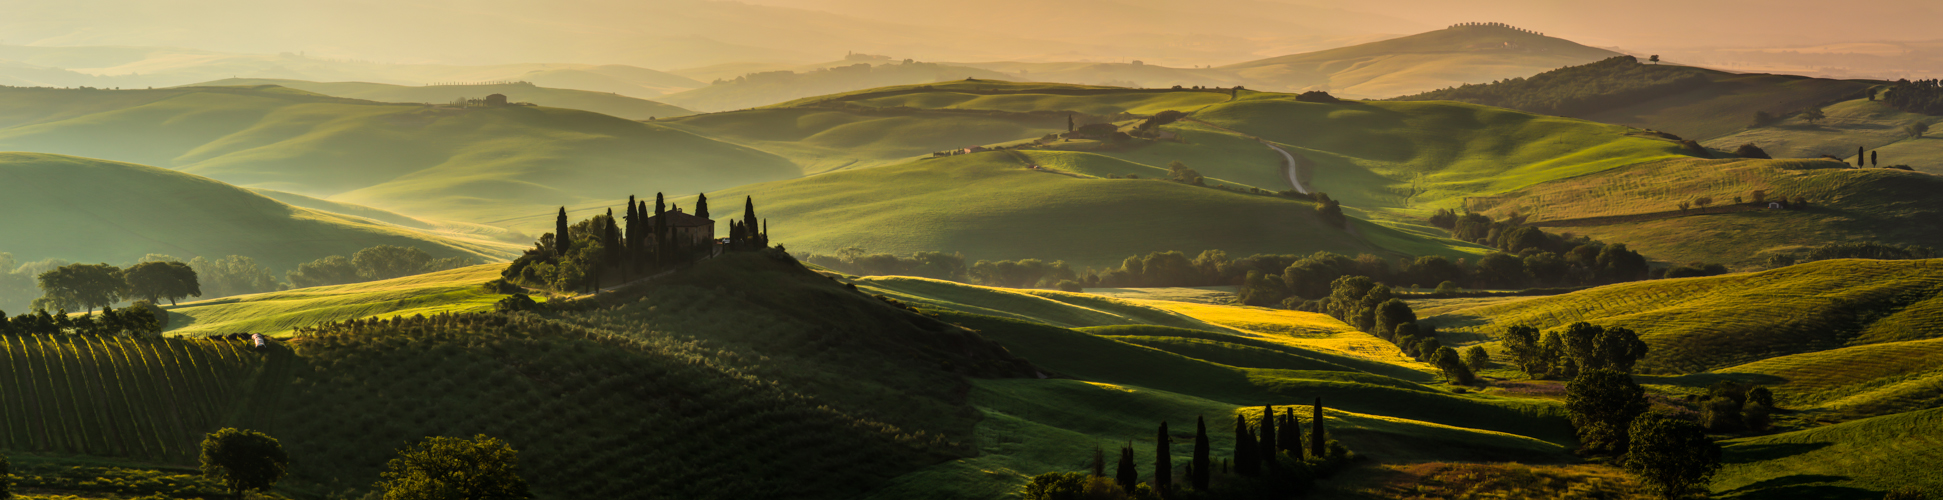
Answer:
(376, 263)
(1530, 256)
(1272, 459)
(91, 286)
(1581, 347)
(140, 320)
(1920, 96)
(1668, 451)
(1731, 406)
(1878, 251)
(641, 242)
(1576, 90)
(1331, 211)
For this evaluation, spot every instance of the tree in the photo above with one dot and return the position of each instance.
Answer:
(1179, 172)
(1476, 358)
(1452, 364)
(1916, 129)
(1125, 474)
(701, 205)
(1813, 115)
(749, 223)
(1247, 455)
(1672, 455)
(244, 460)
(1602, 404)
(1526, 353)
(1655, 58)
(385, 262)
(1318, 441)
(1619, 348)
(441, 468)
(1163, 459)
(1201, 462)
(562, 240)
(1762, 119)
(232, 275)
(1873, 160)
(1392, 313)
(616, 253)
(86, 285)
(332, 270)
(1268, 440)
(1331, 211)
(1859, 157)
(162, 280)
(1291, 433)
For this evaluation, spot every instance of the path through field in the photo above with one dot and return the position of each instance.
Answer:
(1293, 167)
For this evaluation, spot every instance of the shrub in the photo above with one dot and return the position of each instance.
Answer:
(1602, 405)
(1476, 358)
(1447, 287)
(1671, 455)
(244, 460)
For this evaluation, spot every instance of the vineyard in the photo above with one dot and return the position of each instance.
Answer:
(1698, 324)
(145, 399)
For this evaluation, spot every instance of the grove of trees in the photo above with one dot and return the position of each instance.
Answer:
(440, 468)
(376, 263)
(1269, 460)
(609, 249)
(1576, 90)
(243, 460)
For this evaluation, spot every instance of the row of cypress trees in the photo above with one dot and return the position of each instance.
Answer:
(647, 243)
(1254, 451)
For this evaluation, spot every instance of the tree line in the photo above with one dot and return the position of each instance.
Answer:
(583, 255)
(1920, 96)
(376, 263)
(433, 468)
(58, 285)
(1269, 460)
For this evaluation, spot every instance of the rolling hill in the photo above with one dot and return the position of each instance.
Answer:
(1639, 205)
(990, 206)
(1849, 125)
(1417, 63)
(1694, 103)
(88, 210)
(598, 102)
(1790, 328)
(475, 164)
(771, 87)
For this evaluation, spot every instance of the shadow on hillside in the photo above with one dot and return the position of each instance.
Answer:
(1801, 486)
(1765, 452)
(1705, 380)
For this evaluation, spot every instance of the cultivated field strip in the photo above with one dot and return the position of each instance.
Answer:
(122, 397)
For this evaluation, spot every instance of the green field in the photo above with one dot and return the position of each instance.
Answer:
(144, 400)
(102, 211)
(1845, 205)
(478, 165)
(1805, 308)
(990, 206)
(1858, 460)
(565, 98)
(821, 139)
(277, 314)
(1849, 125)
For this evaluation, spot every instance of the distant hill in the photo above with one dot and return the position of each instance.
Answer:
(598, 102)
(1859, 123)
(476, 164)
(1639, 205)
(771, 87)
(1694, 103)
(1416, 63)
(86, 210)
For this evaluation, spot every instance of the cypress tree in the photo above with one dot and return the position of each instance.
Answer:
(1099, 462)
(661, 228)
(1268, 441)
(765, 233)
(1163, 459)
(562, 242)
(1872, 159)
(701, 206)
(1316, 437)
(749, 224)
(1291, 433)
(1246, 461)
(1126, 475)
(1200, 464)
(616, 249)
(632, 222)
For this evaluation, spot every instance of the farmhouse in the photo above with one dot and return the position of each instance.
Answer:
(689, 229)
(496, 100)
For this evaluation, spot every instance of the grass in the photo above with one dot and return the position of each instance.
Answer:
(1849, 124)
(146, 400)
(1726, 106)
(820, 140)
(1859, 459)
(1140, 103)
(1845, 204)
(102, 211)
(599, 102)
(1070, 310)
(1798, 309)
(1214, 295)
(1299, 329)
(277, 314)
(989, 206)
(509, 166)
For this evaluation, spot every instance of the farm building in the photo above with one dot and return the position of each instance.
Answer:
(689, 228)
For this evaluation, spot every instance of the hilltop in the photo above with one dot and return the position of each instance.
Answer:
(469, 164)
(1694, 103)
(86, 210)
(1416, 63)
(769, 87)
(598, 102)
(1640, 206)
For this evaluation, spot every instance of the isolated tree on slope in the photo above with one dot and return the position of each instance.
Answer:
(162, 280)
(1247, 457)
(1671, 454)
(1163, 459)
(455, 468)
(1201, 462)
(701, 205)
(562, 240)
(1602, 404)
(1813, 115)
(1125, 473)
(1268, 439)
(244, 460)
(1318, 440)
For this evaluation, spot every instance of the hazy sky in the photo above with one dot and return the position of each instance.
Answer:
(672, 33)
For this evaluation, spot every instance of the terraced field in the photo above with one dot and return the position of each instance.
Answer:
(144, 399)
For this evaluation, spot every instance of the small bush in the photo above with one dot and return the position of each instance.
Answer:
(1752, 151)
(1069, 286)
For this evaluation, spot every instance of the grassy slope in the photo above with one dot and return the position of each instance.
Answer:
(822, 140)
(1850, 124)
(1367, 152)
(277, 313)
(598, 102)
(989, 206)
(748, 94)
(1798, 309)
(89, 210)
(1417, 63)
(473, 165)
(1727, 105)
(1846, 205)
(1853, 460)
